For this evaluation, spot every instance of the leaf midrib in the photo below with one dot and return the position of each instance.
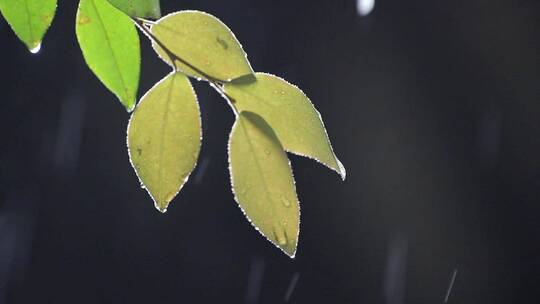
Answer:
(30, 27)
(258, 165)
(162, 133)
(115, 60)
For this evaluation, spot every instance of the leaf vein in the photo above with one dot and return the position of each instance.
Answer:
(257, 164)
(30, 27)
(108, 39)
(162, 131)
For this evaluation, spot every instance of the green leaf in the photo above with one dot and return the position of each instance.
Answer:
(204, 42)
(262, 181)
(291, 114)
(139, 8)
(164, 138)
(110, 44)
(29, 19)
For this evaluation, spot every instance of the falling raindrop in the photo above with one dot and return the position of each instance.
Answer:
(292, 285)
(202, 170)
(256, 274)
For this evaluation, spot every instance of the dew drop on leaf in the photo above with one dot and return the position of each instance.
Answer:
(280, 236)
(36, 49)
(84, 20)
(286, 202)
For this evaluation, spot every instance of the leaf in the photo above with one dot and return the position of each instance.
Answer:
(291, 114)
(110, 45)
(139, 8)
(204, 42)
(29, 19)
(164, 138)
(262, 181)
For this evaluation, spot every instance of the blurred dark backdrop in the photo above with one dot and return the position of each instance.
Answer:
(433, 107)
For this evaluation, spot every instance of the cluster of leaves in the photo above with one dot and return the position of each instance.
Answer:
(164, 133)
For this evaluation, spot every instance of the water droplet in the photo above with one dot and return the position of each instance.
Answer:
(281, 238)
(169, 197)
(208, 63)
(342, 170)
(267, 152)
(84, 20)
(36, 49)
(282, 93)
(286, 202)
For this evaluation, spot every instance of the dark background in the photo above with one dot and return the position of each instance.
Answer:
(433, 107)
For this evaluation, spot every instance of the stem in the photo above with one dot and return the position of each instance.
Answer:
(230, 100)
(146, 21)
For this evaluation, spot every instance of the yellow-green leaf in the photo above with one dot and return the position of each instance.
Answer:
(291, 114)
(110, 44)
(204, 42)
(262, 181)
(164, 138)
(139, 8)
(29, 19)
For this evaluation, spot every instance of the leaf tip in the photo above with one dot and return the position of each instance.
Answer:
(285, 244)
(289, 248)
(129, 107)
(290, 254)
(161, 207)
